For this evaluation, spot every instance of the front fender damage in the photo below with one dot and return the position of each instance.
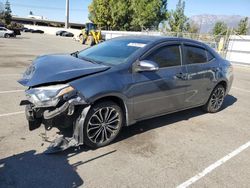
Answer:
(69, 117)
(63, 143)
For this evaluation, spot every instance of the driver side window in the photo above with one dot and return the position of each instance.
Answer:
(166, 56)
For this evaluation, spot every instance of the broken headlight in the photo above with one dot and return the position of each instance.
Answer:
(48, 96)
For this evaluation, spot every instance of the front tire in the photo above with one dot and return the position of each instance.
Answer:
(102, 124)
(6, 36)
(216, 99)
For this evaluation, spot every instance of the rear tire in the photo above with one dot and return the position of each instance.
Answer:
(102, 124)
(216, 99)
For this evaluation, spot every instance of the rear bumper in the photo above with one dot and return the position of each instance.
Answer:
(230, 83)
(230, 79)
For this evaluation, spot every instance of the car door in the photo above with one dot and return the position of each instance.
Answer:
(200, 74)
(162, 91)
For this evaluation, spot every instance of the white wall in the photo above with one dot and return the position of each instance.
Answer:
(113, 34)
(239, 49)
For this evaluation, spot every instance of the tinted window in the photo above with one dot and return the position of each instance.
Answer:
(195, 55)
(210, 56)
(166, 56)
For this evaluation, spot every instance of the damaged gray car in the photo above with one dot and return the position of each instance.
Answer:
(90, 95)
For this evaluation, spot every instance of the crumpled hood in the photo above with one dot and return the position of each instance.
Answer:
(58, 68)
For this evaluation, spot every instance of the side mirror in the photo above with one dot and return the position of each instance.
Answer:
(146, 65)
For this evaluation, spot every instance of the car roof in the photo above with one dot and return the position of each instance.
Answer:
(152, 39)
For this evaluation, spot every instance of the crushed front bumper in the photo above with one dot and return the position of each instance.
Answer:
(68, 117)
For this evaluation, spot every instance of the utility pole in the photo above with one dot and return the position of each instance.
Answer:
(67, 15)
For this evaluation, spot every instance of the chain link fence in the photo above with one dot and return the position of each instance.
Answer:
(218, 43)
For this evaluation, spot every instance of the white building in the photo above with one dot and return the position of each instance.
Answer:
(37, 17)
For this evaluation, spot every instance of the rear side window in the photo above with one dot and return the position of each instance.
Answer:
(210, 56)
(194, 55)
(166, 56)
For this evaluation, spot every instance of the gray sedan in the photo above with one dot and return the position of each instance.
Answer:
(90, 95)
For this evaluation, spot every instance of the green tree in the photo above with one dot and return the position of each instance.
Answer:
(191, 27)
(128, 14)
(177, 17)
(100, 14)
(7, 13)
(242, 27)
(163, 14)
(220, 28)
(121, 14)
(148, 13)
(14, 25)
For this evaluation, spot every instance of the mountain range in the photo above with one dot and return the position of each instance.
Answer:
(206, 22)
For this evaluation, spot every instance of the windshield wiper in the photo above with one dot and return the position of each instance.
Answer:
(90, 60)
(75, 54)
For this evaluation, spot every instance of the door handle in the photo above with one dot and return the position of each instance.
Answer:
(215, 69)
(181, 76)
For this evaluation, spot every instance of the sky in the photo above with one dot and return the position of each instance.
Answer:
(55, 9)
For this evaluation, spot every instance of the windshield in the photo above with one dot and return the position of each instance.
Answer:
(113, 52)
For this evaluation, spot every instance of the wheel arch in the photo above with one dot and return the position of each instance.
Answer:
(116, 99)
(223, 83)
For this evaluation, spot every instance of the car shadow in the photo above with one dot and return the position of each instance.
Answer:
(29, 169)
(228, 101)
(167, 120)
